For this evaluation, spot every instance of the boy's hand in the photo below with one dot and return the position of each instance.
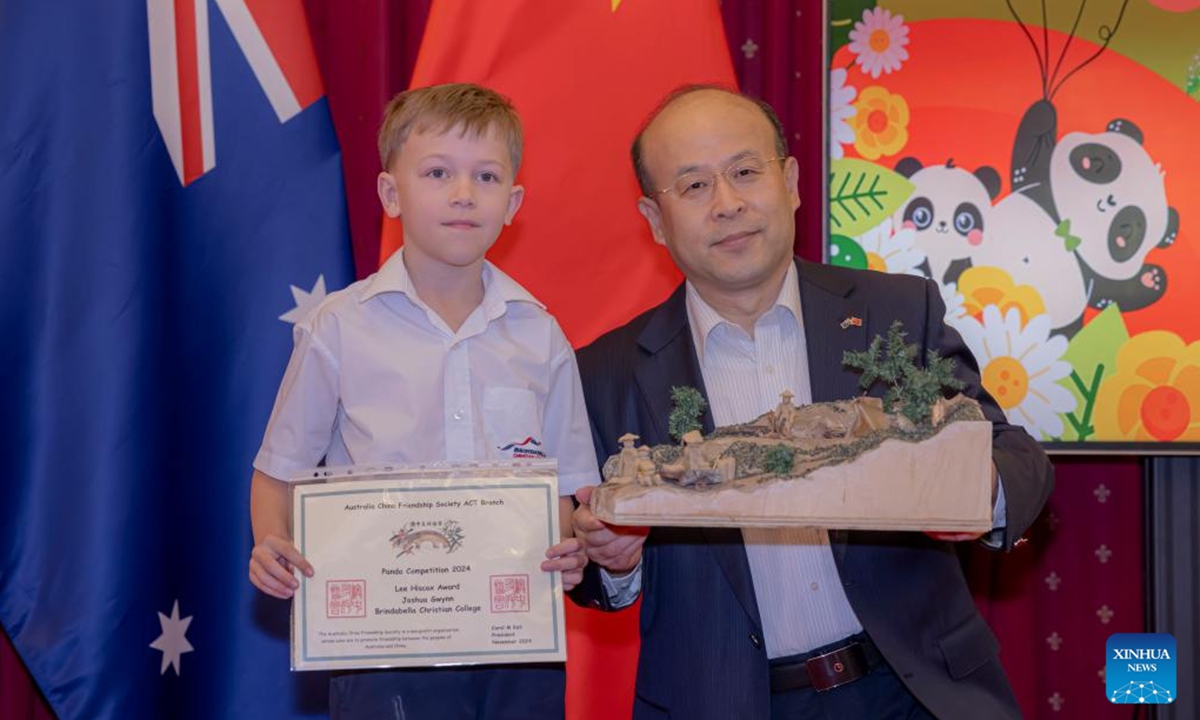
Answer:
(567, 557)
(272, 563)
(615, 548)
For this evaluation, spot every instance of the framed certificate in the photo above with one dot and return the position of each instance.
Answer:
(427, 566)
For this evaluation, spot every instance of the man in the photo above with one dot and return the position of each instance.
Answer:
(797, 622)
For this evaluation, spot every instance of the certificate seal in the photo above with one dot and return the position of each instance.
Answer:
(346, 598)
(510, 593)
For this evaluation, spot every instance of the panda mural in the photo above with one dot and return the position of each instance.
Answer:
(1112, 196)
(1105, 199)
(950, 210)
(1068, 272)
(957, 227)
(1023, 243)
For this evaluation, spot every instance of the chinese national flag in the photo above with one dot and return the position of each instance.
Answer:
(583, 75)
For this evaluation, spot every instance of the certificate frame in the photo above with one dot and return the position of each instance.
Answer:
(447, 597)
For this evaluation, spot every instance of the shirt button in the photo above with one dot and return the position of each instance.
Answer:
(815, 586)
(458, 414)
(770, 369)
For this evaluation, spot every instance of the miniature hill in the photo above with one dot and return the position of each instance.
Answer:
(911, 460)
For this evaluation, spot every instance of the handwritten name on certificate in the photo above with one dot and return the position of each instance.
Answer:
(421, 568)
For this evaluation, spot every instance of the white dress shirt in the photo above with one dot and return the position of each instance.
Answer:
(377, 376)
(800, 596)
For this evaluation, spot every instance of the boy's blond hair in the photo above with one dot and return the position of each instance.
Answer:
(441, 108)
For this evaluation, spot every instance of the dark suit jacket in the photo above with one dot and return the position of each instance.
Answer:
(702, 654)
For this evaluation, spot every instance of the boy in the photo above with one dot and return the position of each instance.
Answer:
(438, 356)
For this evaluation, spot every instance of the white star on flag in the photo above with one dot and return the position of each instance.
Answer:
(173, 641)
(306, 302)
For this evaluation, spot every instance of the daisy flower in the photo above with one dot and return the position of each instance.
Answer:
(878, 40)
(956, 308)
(1021, 367)
(892, 252)
(841, 110)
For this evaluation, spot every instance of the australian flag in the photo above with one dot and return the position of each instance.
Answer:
(170, 203)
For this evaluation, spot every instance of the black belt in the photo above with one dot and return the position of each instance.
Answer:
(828, 669)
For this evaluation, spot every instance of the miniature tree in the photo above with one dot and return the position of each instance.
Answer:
(779, 460)
(687, 408)
(911, 389)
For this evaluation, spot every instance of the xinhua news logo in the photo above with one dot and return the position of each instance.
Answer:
(1140, 668)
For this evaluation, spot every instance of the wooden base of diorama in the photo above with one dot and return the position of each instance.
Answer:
(941, 483)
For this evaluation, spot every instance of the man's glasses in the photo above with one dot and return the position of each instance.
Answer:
(699, 186)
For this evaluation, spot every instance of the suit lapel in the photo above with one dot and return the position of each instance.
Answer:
(827, 303)
(670, 362)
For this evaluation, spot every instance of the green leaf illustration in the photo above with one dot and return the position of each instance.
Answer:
(845, 252)
(862, 194)
(1092, 354)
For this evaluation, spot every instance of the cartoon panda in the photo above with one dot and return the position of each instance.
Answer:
(1113, 197)
(1022, 242)
(1106, 199)
(949, 209)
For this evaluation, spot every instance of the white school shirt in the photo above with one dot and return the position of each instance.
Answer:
(377, 376)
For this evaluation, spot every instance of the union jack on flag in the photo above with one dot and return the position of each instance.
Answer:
(273, 37)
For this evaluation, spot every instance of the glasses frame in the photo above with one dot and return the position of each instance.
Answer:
(723, 173)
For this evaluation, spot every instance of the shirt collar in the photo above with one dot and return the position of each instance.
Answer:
(704, 319)
(498, 288)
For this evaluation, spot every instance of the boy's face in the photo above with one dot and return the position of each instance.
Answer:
(453, 192)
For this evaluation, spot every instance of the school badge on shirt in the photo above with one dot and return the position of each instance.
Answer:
(530, 447)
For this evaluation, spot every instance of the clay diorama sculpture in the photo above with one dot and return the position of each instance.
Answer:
(912, 460)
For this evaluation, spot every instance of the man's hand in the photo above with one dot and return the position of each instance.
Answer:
(617, 549)
(272, 563)
(955, 536)
(568, 558)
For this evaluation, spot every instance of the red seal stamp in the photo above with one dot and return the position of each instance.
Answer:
(345, 598)
(510, 593)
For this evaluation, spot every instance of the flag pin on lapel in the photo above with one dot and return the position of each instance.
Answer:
(852, 321)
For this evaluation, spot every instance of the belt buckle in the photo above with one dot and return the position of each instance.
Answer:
(836, 667)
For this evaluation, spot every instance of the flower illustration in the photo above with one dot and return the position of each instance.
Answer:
(878, 40)
(1154, 393)
(841, 110)
(986, 285)
(1021, 364)
(880, 123)
(891, 251)
(955, 309)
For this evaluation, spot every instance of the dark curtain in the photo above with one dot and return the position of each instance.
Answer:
(1053, 602)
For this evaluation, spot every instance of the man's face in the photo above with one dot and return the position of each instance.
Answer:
(740, 236)
(453, 192)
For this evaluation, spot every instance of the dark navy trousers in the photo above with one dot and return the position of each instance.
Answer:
(516, 692)
(879, 695)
